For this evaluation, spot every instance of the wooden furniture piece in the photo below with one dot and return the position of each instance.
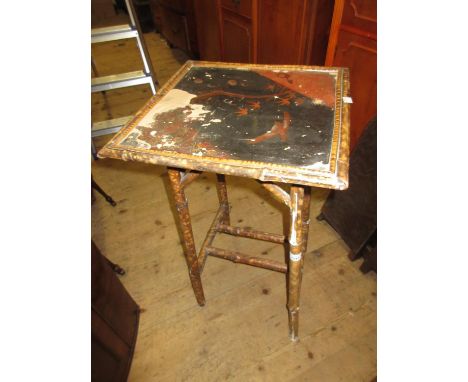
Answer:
(264, 31)
(208, 29)
(276, 124)
(175, 20)
(353, 213)
(353, 44)
(370, 257)
(114, 322)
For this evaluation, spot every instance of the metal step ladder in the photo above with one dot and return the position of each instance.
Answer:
(117, 81)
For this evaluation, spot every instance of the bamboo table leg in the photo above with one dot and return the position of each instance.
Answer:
(222, 196)
(305, 218)
(296, 245)
(298, 234)
(187, 234)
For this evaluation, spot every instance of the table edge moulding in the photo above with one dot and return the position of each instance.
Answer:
(336, 177)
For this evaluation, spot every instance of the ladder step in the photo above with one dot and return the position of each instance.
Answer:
(113, 33)
(116, 81)
(110, 126)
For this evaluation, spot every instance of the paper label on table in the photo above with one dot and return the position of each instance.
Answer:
(295, 257)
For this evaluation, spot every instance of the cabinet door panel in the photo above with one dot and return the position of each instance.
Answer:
(361, 14)
(360, 55)
(110, 356)
(319, 20)
(242, 7)
(208, 33)
(237, 40)
(281, 31)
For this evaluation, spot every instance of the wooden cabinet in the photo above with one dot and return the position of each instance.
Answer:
(114, 323)
(293, 32)
(264, 31)
(241, 7)
(280, 25)
(237, 39)
(175, 20)
(208, 31)
(353, 44)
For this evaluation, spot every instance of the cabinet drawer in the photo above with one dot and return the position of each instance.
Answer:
(241, 7)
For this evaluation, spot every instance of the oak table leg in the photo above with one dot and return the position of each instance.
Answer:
(296, 245)
(222, 196)
(187, 234)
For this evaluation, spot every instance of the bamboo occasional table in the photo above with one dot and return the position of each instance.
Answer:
(275, 124)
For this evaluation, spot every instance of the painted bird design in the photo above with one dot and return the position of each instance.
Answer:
(279, 128)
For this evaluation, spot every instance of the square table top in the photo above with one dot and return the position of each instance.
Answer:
(275, 123)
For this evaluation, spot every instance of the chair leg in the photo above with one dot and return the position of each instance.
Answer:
(297, 227)
(101, 191)
(116, 267)
(222, 196)
(188, 242)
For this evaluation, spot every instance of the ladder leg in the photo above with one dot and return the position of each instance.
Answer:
(93, 67)
(148, 67)
(93, 150)
(116, 81)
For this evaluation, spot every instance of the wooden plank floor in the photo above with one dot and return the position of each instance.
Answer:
(242, 332)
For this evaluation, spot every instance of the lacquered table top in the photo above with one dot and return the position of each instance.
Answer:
(274, 123)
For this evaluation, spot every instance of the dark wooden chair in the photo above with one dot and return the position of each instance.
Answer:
(95, 186)
(353, 213)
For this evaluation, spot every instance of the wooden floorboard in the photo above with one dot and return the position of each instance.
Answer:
(242, 332)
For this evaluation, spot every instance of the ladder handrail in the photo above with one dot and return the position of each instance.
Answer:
(118, 32)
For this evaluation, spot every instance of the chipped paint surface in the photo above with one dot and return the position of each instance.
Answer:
(256, 115)
(228, 149)
(294, 213)
(173, 100)
(316, 166)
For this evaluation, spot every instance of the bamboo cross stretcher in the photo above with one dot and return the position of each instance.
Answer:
(298, 202)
